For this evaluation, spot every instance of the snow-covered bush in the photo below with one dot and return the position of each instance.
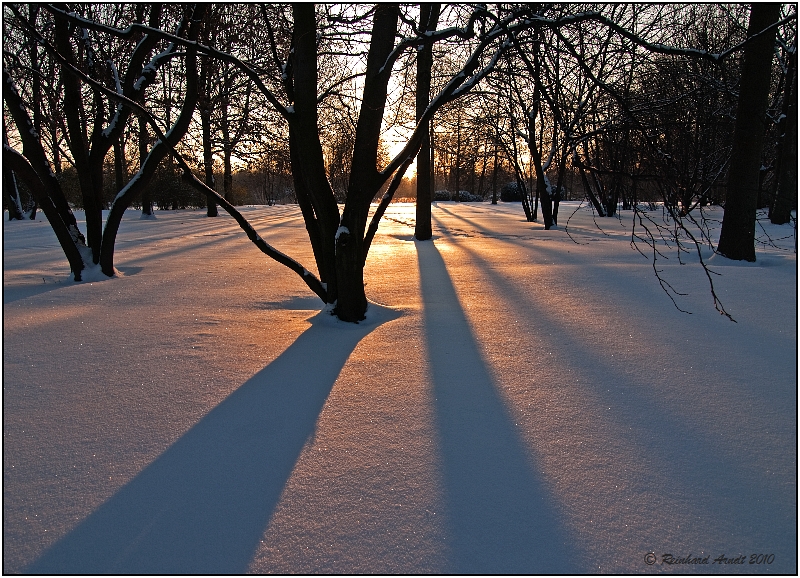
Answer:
(463, 196)
(467, 197)
(510, 193)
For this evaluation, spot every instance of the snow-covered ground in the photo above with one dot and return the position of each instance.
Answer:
(517, 401)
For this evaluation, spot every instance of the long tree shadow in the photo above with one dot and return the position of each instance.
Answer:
(501, 517)
(203, 505)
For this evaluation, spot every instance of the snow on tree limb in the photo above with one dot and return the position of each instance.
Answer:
(460, 84)
(156, 32)
(164, 140)
(657, 47)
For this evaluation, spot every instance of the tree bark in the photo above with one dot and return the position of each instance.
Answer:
(312, 188)
(429, 17)
(79, 142)
(158, 152)
(365, 180)
(739, 220)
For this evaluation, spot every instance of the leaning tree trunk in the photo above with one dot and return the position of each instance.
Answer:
(159, 151)
(33, 168)
(739, 220)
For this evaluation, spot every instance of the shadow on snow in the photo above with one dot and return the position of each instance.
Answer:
(204, 504)
(501, 518)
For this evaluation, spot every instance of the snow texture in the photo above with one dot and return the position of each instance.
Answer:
(515, 402)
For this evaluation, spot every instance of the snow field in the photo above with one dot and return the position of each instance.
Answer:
(516, 403)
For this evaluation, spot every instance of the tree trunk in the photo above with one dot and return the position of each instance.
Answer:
(208, 163)
(158, 152)
(457, 178)
(592, 197)
(494, 172)
(365, 180)
(429, 17)
(227, 171)
(482, 178)
(541, 179)
(34, 169)
(11, 194)
(204, 107)
(147, 196)
(10, 189)
(785, 196)
(79, 144)
(312, 188)
(739, 220)
(119, 164)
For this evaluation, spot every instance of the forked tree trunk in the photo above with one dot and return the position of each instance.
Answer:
(338, 244)
(159, 151)
(365, 180)
(737, 236)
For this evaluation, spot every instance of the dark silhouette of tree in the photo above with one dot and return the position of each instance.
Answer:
(739, 221)
(429, 17)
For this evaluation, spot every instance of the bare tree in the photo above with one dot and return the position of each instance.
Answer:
(785, 196)
(106, 125)
(739, 221)
(429, 17)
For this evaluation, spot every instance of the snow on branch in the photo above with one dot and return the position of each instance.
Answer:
(462, 82)
(178, 40)
(432, 36)
(657, 47)
(112, 125)
(163, 140)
